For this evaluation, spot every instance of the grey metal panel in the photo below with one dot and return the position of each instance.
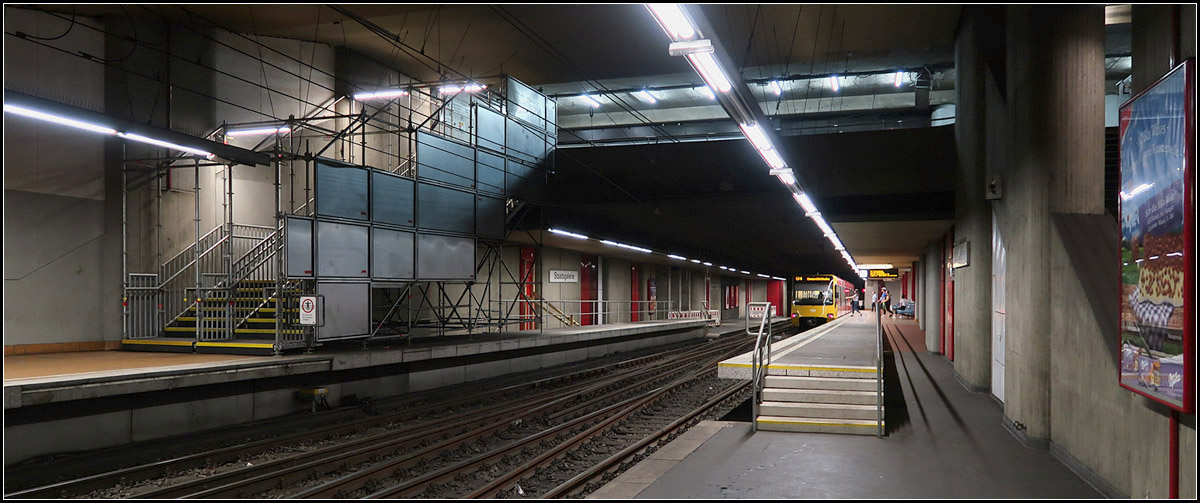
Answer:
(489, 129)
(392, 254)
(551, 117)
(523, 143)
(525, 182)
(347, 309)
(445, 209)
(525, 103)
(392, 199)
(299, 247)
(445, 257)
(342, 250)
(444, 160)
(341, 192)
(491, 216)
(490, 169)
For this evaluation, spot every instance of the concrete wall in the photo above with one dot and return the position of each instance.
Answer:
(933, 295)
(1039, 126)
(57, 221)
(617, 290)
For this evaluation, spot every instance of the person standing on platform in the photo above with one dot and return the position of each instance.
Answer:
(854, 303)
(874, 300)
(885, 303)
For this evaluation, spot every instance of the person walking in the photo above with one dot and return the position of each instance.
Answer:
(854, 303)
(874, 300)
(885, 303)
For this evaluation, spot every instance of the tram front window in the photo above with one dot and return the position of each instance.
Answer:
(812, 295)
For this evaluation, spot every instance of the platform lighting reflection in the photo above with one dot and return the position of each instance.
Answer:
(646, 96)
(623, 245)
(258, 131)
(571, 234)
(833, 82)
(672, 20)
(776, 87)
(677, 257)
(388, 93)
(592, 100)
(1136, 190)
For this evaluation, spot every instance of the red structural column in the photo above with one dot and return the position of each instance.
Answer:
(774, 295)
(527, 261)
(634, 292)
(588, 289)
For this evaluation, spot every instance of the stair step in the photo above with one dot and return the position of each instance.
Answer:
(817, 425)
(238, 299)
(192, 319)
(826, 383)
(819, 396)
(270, 331)
(820, 410)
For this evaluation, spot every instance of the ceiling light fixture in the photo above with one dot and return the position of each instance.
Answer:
(97, 128)
(756, 136)
(672, 20)
(469, 88)
(677, 257)
(623, 245)
(833, 82)
(707, 65)
(773, 159)
(899, 78)
(708, 92)
(258, 131)
(646, 96)
(390, 93)
(875, 266)
(709, 264)
(776, 87)
(572, 234)
(592, 100)
(806, 203)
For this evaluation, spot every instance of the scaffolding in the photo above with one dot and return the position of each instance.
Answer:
(214, 288)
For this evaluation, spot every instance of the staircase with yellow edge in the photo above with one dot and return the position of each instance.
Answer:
(832, 400)
(252, 312)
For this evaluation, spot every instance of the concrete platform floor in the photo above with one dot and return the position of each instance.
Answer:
(943, 442)
(82, 362)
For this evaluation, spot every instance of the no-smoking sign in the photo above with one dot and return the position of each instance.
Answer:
(308, 310)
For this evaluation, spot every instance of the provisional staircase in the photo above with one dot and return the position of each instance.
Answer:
(822, 403)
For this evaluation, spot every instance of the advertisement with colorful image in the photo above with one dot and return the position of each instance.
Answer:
(1156, 129)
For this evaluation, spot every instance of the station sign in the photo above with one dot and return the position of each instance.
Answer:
(883, 273)
(557, 276)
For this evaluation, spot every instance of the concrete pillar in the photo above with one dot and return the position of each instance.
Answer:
(933, 295)
(973, 217)
(1054, 73)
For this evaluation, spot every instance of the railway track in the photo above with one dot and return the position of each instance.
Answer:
(555, 437)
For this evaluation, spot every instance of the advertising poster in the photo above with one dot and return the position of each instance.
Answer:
(1157, 333)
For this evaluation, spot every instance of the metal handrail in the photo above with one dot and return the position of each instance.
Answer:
(879, 372)
(190, 247)
(757, 365)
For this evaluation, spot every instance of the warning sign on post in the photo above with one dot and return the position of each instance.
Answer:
(308, 310)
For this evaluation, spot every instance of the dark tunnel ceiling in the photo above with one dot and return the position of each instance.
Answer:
(715, 199)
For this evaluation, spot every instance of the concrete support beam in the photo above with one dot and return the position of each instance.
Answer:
(1055, 76)
(933, 295)
(973, 218)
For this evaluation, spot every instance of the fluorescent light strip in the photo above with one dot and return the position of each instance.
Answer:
(708, 264)
(152, 141)
(875, 266)
(259, 131)
(677, 257)
(623, 245)
(672, 19)
(821, 224)
(775, 87)
(763, 276)
(391, 93)
(776, 278)
(837, 243)
(470, 88)
(694, 261)
(899, 78)
(34, 114)
(833, 82)
(646, 96)
(572, 234)
(723, 268)
(772, 158)
(806, 203)
(756, 136)
(787, 179)
(708, 92)
(707, 65)
(592, 99)
(744, 272)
